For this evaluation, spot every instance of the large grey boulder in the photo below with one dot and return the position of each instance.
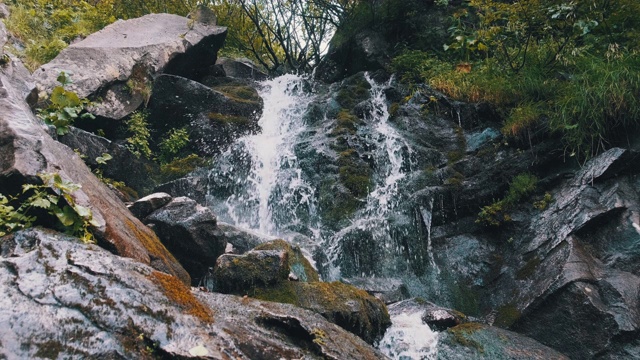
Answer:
(64, 299)
(148, 204)
(133, 51)
(214, 117)
(27, 150)
(189, 231)
(241, 240)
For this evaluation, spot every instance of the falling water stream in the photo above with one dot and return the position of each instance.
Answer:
(258, 184)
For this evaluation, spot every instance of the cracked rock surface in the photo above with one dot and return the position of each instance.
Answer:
(65, 299)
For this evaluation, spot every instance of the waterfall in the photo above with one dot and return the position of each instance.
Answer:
(259, 184)
(392, 156)
(266, 183)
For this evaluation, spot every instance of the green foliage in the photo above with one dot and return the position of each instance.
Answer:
(600, 103)
(64, 107)
(10, 219)
(138, 127)
(465, 42)
(567, 67)
(522, 118)
(48, 26)
(174, 141)
(497, 213)
(53, 199)
(180, 167)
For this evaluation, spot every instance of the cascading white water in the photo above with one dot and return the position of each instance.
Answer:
(268, 191)
(409, 338)
(274, 180)
(392, 161)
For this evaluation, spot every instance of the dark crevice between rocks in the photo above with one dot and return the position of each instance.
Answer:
(594, 224)
(294, 331)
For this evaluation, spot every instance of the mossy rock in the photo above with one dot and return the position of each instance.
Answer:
(354, 90)
(353, 309)
(354, 173)
(346, 123)
(263, 273)
(180, 167)
(238, 274)
(336, 203)
(240, 93)
(297, 263)
(229, 120)
(507, 315)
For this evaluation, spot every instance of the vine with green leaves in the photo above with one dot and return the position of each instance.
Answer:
(50, 204)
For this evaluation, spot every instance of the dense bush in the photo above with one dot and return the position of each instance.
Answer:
(572, 64)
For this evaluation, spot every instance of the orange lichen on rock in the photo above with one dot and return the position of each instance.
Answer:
(181, 295)
(157, 251)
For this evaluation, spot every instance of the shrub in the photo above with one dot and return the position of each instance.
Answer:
(46, 27)
(138, 127)
(51, 198)
(64, 107)
(599, 104)
(174, 141)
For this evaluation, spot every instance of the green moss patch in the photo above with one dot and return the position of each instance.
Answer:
(228, 119)
(462, 335)
(240, 93)
(507, 315)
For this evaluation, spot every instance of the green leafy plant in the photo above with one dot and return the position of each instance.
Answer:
(174, 141)
(138, 127)
(54, 198)
(10, 219)
(101, 160)
(64, 107)
(497, 213)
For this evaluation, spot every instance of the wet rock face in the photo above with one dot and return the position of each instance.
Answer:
(189, 231)
(71, 299)
(569, 278)
(214, 116)
(366, 51)
(115, 65)
(461, 338)
(26, 150)
(388, 290)
(241, 240)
